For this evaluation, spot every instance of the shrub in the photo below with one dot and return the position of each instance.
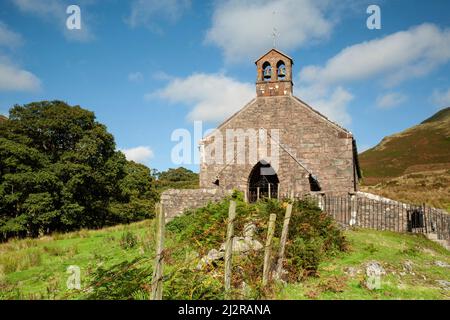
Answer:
(306, 256)
(313, 235)
(202, 286)
(20, 260)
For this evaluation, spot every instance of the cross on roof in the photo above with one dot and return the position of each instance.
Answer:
(274, 36)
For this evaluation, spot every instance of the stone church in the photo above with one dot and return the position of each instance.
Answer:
(313, 153)
(301, 151)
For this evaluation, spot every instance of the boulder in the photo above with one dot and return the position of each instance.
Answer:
(240, 245)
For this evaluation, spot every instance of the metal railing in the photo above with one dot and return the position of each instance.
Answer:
(381, 214)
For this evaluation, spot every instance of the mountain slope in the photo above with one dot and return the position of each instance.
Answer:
(424, 147)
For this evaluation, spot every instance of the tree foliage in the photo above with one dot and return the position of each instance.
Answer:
(60, 171)
(179, 178)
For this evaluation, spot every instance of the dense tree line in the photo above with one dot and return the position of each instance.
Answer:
(60, 171)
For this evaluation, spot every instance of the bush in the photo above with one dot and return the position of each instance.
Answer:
(305, 256)
(202, 286)
(313, 235)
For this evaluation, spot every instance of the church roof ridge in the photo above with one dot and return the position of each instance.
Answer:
(322, 115)
(278, 51)
(337, 126)
(228, 119)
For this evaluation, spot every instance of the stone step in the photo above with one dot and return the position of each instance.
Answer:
(432, 236)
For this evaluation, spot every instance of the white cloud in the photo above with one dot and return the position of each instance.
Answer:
(391, 59)
(441, 98)
(396, 57)
(242, 29)
(390, 100)
(8, 38)
(214, 97)
(13, 78)
(162, 76)
(331, 103)
(140, 154)
(135, 77)
(151, 13)
(55, 11)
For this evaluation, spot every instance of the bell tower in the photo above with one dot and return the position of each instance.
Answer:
(274, 74)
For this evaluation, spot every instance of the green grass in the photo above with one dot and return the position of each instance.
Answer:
(391, 250)
(86, 249)
(45, 277)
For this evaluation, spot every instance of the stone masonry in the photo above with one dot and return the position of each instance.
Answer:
(306, 136)
(176, 201)
(322, 146)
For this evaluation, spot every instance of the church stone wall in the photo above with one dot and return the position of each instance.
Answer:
(176, 201)
(323, 147)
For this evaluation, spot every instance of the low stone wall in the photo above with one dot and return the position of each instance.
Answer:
(360, 209)
(176, 201)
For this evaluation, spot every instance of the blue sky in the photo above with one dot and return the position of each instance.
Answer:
(147, 68)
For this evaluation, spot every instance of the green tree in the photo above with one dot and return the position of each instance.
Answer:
(59, 171)
(179, 178)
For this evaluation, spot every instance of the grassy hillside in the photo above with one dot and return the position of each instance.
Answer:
(342, 277)
(430, 187)
(116, 263)
(423, 147)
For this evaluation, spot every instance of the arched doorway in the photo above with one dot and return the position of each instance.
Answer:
(262, 182)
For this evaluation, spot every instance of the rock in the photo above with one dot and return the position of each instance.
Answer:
(374, 271)
(442, 264)
(444, 284)
(351, 271)
(240, 245)
(374, 268)
(249, 230)
(243, 245)
(408, 267)
(212, 256)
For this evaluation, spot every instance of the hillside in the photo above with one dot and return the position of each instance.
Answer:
(424, 147)
(412, 166)
(116, 263)
(3, 118)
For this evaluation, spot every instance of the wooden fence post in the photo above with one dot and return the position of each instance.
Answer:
(284, 234)
(157, 279)
(257, 193)
(268, 249)
(229, 245)
(278, 192)
(270, 193)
